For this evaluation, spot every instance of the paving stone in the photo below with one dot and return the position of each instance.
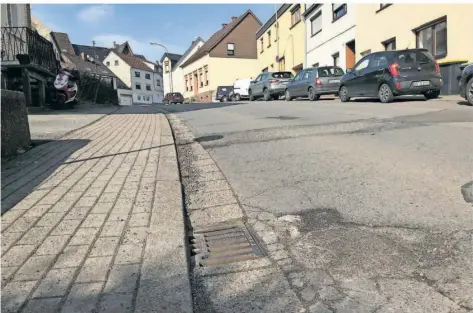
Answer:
(129, 253)
(7, 272)
(102, 207)
(10, 216)
(84, 236)
(22, 223)
(135, 235)
(37, 210)
(104, 246)
(94, 220)
(112, 228)
(34, 267)
(116, 303)
(14, 295)
(94, 269)
(9, 239)
(50, 219)
(66, 227)
(308, 294)
(297, 282)
(53, 245)
(108, 197)
(17, 255)
(139, 219)
(55, 283)
(142, 206)
(42, 305)
(319, 308)
(122, 278)
(77, 213)
(72, 256)
(86, 201)
(50, 199)
(62, 205)
(329, 293)
(82, 298)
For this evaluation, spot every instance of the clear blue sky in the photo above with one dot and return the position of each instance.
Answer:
(174, 25)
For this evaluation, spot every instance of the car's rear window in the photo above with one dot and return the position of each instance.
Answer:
(176, 94)
(330, 71)
(282, 75)
(414, 57)
(224, 88)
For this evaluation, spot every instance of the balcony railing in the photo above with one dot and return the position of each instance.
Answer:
(22, 45)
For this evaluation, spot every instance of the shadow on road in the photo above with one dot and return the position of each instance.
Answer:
(465, 103)
(23, 174)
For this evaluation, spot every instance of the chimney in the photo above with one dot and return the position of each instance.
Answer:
(234, 18)
(223, 25)
(82, 55)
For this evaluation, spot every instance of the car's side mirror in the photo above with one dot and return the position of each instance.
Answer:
(349, 70)
(252, 82)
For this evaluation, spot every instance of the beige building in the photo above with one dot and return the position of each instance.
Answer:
(282, 48)
(228, 55)
(446, 30)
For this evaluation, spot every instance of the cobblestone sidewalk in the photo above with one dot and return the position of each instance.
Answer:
(94, 221)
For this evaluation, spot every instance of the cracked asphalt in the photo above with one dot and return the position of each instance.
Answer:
(365, 198)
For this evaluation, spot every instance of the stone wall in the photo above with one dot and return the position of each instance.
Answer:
(15, 126)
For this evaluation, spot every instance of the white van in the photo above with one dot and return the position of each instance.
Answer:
(240, 89)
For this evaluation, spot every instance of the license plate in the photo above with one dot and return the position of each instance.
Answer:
(334, 81)
(421, 83)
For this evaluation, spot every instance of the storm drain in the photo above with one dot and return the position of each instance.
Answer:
(225, 244)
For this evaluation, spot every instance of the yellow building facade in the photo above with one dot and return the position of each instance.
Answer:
(281, 45)
(446, 30)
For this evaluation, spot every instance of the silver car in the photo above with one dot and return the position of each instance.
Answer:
(269, 85)
(315, 81)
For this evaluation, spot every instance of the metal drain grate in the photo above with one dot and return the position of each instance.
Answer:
(225, 244)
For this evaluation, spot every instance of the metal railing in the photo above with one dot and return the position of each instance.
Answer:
(22, 45)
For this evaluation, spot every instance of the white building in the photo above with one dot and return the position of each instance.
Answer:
(141, 76)
(172, 63)
(330, 35)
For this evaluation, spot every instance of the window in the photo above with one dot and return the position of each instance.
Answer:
(139, 97)
(362, 64)
(336, 59)
(379, 60)
(158, 82)
(338, 10)
(365, 53)
(166, 66)
(137, 74)
(148, 76)
(390, 44)
(306, 75)
(138, 86)
(316, 24)
(147, 98)
(296, 14)
(108, 63)
(116, 62)
(269, 39)
(433, 37)
(206, 77)
(12, 11)
(148, 87)
(200, 79)
(261, 44)
(298, 76)
(230, 49)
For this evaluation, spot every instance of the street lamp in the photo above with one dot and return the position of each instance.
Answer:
(170, 67)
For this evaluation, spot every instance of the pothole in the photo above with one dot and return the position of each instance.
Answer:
(283, 118)
(208, 138)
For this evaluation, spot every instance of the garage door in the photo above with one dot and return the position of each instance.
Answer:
(124, 100)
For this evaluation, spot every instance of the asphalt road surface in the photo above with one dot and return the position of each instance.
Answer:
(377, 186)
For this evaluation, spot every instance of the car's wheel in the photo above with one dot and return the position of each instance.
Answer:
(432, 94)
(469, 91)
(237, 97)
(287, 95)
(250, 96)
(224, 99)
(343, 94)
(312, 95)
(266, 95)
(385, 93)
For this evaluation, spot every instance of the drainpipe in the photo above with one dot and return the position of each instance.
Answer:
(277, 33)
(305, 42)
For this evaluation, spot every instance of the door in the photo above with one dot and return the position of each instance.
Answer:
(254, 86)
(260, 84)
(305, 83)
(350, 54)
(374, 73)
(355, 80)
(125, 100)
(293, 87)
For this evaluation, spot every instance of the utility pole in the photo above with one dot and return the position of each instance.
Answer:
(170, 64)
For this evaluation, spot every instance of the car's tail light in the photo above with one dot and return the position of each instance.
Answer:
(437, 67)
(394, 69)
(273, 81)
(318, 82)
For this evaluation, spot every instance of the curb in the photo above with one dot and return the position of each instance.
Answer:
(165, 280)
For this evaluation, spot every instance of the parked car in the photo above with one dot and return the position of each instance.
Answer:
(173, 97)
(466, 83)
(269, 85)
(388, 74)
(223, 93)
(240, 89)
(314, 82)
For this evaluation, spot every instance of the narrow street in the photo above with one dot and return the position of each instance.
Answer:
(372, 193)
